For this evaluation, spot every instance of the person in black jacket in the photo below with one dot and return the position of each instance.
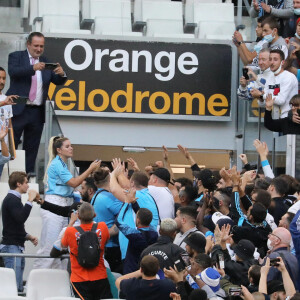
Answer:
(14, 216)
(244, 250)
(288, 125)
(139, 237)
(164, 250)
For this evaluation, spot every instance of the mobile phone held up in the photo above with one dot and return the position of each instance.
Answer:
(51, 66)
(183, 262)
(298, 112)
(274, 262)
(235, 291)
(245, 73)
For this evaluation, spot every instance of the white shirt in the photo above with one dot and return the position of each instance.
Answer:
(294, 208)
(5, 114)
(288, 84)
(164, 201)
(179, 238)
(270, 221)
(39, 93)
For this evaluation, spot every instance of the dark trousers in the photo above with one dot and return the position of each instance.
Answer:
(31, 121)
(113, 257)
(92, 290)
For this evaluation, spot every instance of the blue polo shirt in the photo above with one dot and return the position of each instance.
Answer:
(144, 200)
(58, 176)
(106, 207)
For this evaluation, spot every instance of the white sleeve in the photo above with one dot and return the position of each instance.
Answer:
(267, 169)
(294, 208)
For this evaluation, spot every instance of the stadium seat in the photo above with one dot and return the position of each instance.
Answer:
(8, 284)
(163, 17)
(43, 283)
(164, 27)
(70, 24)
(108, 17)
(56, 16)
(196, 12)
(10, 19)
(105, 8)
(215, 30)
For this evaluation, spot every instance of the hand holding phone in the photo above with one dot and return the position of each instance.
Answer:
(51, 66)
(245, 73)
(235, 291)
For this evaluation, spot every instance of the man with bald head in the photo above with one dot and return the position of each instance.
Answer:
(278, 243)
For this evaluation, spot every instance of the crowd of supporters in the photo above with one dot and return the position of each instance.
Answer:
(271, 64)
(226, 233)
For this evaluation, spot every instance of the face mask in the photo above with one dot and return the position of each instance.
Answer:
(270, 247)
(297, 11)
(257, 48)
(297, 35)
(278, 70)
(269, 38)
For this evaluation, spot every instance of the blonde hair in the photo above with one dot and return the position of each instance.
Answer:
(54, 143)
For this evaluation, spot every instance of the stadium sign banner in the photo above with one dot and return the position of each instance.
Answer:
(142, 79)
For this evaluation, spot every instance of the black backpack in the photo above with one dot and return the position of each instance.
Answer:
(88, 247)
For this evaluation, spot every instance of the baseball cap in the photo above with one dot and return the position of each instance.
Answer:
(163, 174)
(217, 216)
(244, 249)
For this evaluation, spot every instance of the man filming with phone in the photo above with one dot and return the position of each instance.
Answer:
(250, 80)
(278, 243)
(30, 77)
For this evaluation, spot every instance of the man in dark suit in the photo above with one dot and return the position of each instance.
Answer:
(29, 78)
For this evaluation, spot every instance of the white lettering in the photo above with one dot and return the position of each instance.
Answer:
(135, 60)
(119, 61)
(170, 68)
(124, 60)
(88, 55)
(98, 58)
(192, 62)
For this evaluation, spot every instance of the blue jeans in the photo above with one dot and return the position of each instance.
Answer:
(16, 263)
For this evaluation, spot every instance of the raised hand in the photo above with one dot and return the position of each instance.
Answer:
(165, 153)
(95, 165)
(243, 158)
(269, 102)
(261, 148)
(130, 195)
(184, 151)
(249, 176)
(133, 164)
